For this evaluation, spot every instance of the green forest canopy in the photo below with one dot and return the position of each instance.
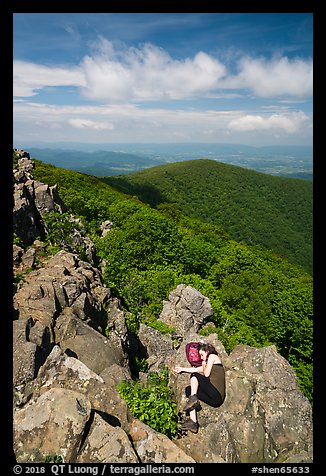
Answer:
(275, 212)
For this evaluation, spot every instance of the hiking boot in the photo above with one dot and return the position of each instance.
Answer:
(190, 425)
(192, 403)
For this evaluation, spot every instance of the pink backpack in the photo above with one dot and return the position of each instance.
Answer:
(192, 354)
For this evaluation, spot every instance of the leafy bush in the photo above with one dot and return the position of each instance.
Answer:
(53, 459)
(18, 241)
(152, 403)
(160, 326)
(61, 230)
(17, 279)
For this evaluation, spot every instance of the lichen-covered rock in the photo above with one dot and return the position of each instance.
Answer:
(65, 281)
(158, 347)
(86, 344)
(153, 447)
(61, 370)
(186, 308)
(52, 425)
(106, 444)
(24, 354)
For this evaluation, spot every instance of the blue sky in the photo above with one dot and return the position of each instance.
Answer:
(163, 77)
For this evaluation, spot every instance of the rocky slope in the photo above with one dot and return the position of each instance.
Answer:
(71, 347)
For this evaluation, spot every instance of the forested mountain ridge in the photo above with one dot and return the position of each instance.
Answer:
(275, 212)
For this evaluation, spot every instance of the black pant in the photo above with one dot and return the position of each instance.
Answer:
(206, 391)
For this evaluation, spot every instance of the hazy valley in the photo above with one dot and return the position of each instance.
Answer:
(115, 159)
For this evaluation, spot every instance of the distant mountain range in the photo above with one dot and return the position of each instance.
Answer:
(117, 159)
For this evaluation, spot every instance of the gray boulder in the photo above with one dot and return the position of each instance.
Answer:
(24, 354)
(158, 347)
(65, 281)
(51, 425)
(61, 370)
(106, 227)
(186, 308)
(153, 447)
(106, 444)
(88, 345)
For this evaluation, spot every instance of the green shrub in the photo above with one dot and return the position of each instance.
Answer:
(18, 241)
(160, 326)
(60, 234)
(141, 364)
(152, 403)
(17, 279)
(15, 158)
(53, 459)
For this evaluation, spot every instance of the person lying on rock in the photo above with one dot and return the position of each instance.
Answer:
(207, 383)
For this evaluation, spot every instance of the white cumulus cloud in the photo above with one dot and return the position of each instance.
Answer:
(287, 123)
(274, 78)
(119, 79)
(29, 78)
(148, 73)
(115, 73)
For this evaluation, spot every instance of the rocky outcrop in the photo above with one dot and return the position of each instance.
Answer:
(31, 199)
(186, 308)
(106, 226)
(21, 153)
(61, 370)
(265, 417)
(64, 303)
(71, 347)
(53, 424)
(153, 447)
(65, 281)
